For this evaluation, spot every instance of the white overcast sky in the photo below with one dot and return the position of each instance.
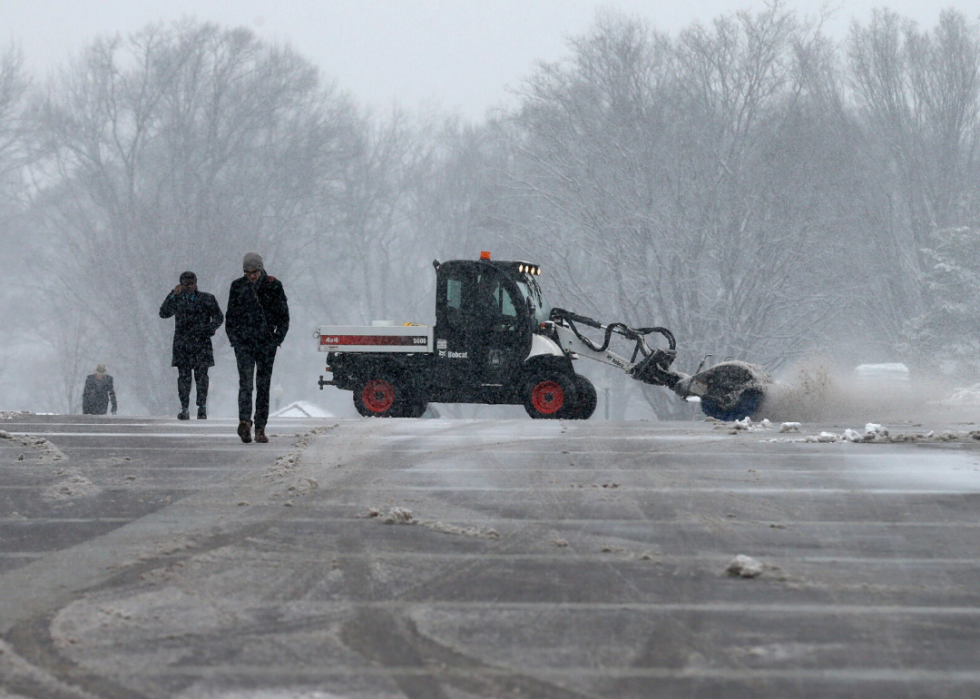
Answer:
(446, 54)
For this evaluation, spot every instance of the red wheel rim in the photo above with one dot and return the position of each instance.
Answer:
(547, 397)
(378, 395)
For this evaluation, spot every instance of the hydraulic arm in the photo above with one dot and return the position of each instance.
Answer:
(728, 390)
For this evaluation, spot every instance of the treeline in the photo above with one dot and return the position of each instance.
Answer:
(764, 192)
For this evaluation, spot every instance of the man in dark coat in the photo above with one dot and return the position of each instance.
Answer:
(258, 318)
(198, 318)
(98, 392)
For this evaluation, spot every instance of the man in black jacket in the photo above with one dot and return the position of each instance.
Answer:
(98, 392)
(198, 318)
(258, 318)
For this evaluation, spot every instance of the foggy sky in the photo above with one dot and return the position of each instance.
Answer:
(442, 54)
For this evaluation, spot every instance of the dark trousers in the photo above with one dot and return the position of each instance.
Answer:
(184, 385)
(257, 362)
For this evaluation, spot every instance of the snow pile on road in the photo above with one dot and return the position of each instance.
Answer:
(747, 425)
(48, 452)
(462, 531)
(875, 433)
(11, 414)
(286, 472)
(872, 433)
(743, 425)
(403, 515)
(73, 485)
(822, 438)
(744, 567)
(395, 515)
(307, 437)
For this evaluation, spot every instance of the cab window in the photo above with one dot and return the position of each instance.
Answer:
(506, 302)
(454, 294)
(454, 299)
(496, 301)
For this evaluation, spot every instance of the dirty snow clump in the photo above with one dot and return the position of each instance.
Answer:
(462, 531)
(395, 515)
(743, 425)
(287, 472)
(11, 414)
(873, 432)
(744, 567)
(402, 515)
(47, 451)
(822, 438)
(74, 485)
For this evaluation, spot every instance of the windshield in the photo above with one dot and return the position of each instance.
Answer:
(530, 290)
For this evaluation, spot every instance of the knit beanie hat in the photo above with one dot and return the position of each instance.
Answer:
(188, 277)
(253, 260)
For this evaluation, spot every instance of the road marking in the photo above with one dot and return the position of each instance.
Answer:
(675, 489)
(560, 675)
(889, 674)
(142, 435)
(788, 525)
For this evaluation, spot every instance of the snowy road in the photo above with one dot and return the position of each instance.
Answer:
(523, 558)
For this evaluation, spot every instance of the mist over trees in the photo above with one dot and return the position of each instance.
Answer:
(762, 191)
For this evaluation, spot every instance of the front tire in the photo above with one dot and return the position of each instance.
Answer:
(547, 395)
(585, 407)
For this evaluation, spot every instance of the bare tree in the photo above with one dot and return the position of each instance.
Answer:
(14, 156)
(666, 176)
(919, 99)
(374, 259)
(178, 147)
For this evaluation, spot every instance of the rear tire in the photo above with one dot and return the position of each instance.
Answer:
(546, 395)
(378, 396)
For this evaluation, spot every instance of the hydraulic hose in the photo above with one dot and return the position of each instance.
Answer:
(636, 334)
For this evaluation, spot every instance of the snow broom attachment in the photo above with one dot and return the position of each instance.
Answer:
(730, 390)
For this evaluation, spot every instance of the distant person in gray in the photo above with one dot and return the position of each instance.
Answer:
(198, 318)
(258, 319)
(98, 392)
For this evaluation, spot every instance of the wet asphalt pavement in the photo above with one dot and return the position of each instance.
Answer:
(460, 559)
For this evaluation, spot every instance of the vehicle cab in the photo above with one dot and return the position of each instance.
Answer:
(487, 316)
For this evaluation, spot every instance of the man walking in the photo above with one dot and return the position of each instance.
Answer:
(258, 318)
(98, 392)
(198, 318)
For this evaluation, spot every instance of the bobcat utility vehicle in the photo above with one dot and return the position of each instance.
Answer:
(497, 341)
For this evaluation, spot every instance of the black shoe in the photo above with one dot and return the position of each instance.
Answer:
(260, 435)
(202, 413)
(245, 431)
(183, 415)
